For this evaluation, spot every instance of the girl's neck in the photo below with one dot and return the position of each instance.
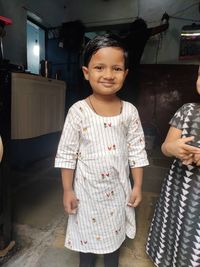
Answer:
(105, 105)
(104, 98)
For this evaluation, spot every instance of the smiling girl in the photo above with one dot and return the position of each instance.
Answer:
(101, 140)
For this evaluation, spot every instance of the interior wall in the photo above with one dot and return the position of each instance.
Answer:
(181, 12)
(103, 12)
(53, 13)
(14, 42)
(49, 13)
(164, 89)
(162, 49)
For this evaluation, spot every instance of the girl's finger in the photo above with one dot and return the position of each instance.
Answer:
(187, 139)
(185, 157)
(191, 149)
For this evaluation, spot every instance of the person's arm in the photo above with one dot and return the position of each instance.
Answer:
(136, 194)
(137, 156)
(1, 149)
(70, 200)
(161, 28)
(175, 146)
(66, 157)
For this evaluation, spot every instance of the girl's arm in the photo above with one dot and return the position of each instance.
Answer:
(1, 149)
(136, 194)
(176, 146)
(70, 201)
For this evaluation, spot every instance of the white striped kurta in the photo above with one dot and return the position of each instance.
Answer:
(101, 150)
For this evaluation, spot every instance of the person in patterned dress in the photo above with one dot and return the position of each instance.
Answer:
(174, 236)
(102, 138)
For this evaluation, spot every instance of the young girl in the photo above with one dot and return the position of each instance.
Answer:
(174, 238)
(102, 137)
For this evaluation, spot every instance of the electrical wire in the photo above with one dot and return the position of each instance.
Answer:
(194, 4)
(173, 16)
(138, 8)
(158, 47)
(185, 19)
(183, 10)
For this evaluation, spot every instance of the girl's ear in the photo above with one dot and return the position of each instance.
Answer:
(85, 72)
(126, 72)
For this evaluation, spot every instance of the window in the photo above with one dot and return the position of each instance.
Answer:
(35, 47)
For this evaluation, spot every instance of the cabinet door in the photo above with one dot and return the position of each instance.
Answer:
(38, 106)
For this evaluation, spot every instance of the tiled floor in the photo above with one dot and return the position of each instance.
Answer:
(39, 220)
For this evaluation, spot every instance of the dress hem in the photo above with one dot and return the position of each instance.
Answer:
(93, 251)
(152, 260)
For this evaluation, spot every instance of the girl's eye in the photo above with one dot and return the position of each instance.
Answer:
(118, 69)
(98, 67)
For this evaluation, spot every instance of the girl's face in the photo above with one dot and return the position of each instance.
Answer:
(198, 81)
(106, 71)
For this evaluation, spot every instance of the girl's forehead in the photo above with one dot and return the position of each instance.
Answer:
(109, 49)
(111, 52)
(109, 56)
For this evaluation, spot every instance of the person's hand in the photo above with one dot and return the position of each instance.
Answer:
(165, 18)
(189, 160)
(196, 159)
(181, 150)
(135, 197)
(70, 202)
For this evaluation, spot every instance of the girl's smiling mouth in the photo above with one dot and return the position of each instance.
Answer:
(105, 83)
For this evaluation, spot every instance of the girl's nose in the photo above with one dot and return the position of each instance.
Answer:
(108, 74)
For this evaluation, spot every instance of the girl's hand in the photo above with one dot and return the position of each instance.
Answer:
(135, 197)
(196, 159)
(180, 149)
(189, 160)
(70, 202)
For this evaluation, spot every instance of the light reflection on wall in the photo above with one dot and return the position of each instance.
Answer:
(35, 47)
(169, 98)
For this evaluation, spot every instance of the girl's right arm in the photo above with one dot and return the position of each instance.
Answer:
(176, 146)
(70, 201)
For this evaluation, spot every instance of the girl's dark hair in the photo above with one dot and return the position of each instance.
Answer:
(102, 41)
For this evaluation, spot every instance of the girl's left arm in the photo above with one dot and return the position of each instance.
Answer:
(136, 193)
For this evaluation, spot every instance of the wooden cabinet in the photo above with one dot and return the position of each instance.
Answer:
(38, 106)
(32, 113)
(37, 117)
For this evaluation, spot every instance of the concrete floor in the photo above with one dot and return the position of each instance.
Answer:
(40, 222)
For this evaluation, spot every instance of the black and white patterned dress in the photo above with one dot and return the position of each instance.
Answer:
(174, 237)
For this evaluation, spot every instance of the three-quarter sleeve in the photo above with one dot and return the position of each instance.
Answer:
(68, 146)
(136, 142)
(178, 119)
